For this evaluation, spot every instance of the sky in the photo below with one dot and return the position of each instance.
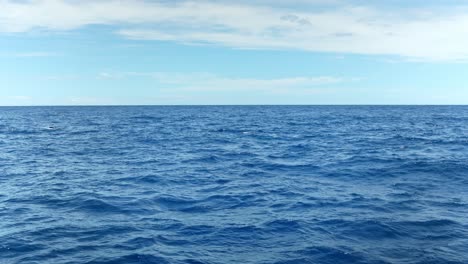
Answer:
(162, 52)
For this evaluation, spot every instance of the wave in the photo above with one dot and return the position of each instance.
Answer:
(254, 185)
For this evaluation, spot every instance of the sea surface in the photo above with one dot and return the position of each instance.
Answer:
(234, 184)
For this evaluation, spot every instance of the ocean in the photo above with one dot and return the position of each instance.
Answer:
(234, 184)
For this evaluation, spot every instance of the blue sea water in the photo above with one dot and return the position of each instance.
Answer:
(234, 184)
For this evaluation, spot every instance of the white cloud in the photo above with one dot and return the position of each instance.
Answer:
(90, 101)
(107, 75)
(341, 28)
(20, 98)
(10, 100)
(207, 88)
(207, 82)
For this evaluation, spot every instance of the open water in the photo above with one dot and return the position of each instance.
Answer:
(234, 184)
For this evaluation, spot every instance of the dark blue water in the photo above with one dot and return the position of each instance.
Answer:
(270, 184)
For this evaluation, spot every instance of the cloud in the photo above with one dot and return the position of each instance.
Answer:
(10, 100)
(20, 98)
(107, 75)
(207, 82)
(425, 34)
(90, 101)
(208, 88)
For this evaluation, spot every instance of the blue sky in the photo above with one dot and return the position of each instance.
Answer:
(62, 52)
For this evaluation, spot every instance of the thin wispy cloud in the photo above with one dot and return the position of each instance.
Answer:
(20, 98)
(423, 33)
(92, 101)
(208, 82)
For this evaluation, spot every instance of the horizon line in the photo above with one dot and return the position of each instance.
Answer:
(169, 105)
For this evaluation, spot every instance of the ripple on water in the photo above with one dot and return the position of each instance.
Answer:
(232, 184)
